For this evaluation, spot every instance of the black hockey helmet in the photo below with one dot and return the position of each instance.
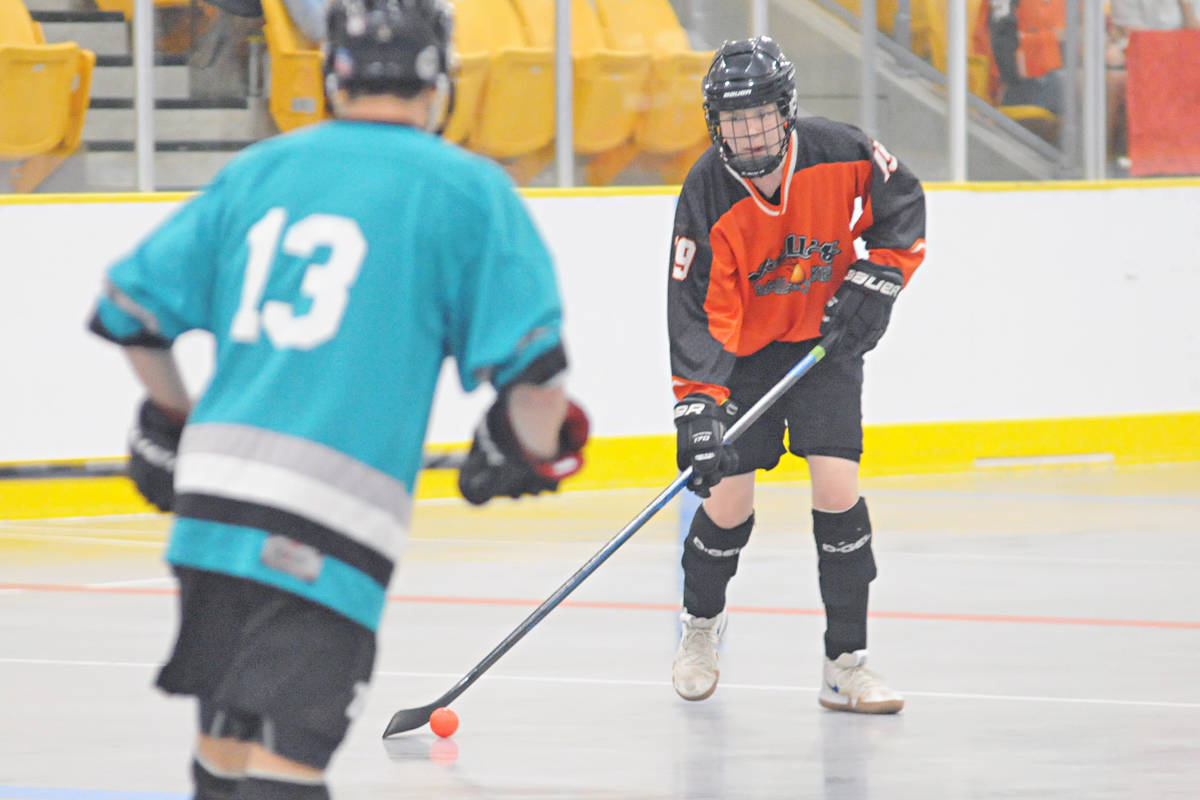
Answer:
(398, 47)
(749, 73)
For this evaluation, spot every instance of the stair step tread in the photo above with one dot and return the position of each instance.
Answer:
(172, 104)
(177, 146)
(114, 60)
(77, 16)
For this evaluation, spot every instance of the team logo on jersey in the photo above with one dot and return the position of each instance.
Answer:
(796, 250)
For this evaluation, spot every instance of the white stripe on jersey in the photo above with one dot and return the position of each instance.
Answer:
(303, 456)
(283, 488)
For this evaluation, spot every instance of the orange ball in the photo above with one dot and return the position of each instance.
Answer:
(444, 722)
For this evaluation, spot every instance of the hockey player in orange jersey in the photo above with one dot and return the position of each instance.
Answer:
(787, 229)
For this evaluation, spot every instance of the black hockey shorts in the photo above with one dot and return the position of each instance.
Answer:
(268, 666)
(822, 412)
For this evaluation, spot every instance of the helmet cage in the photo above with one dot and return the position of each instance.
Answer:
(750, 74)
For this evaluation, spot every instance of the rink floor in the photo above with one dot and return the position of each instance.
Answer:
(1043, 625)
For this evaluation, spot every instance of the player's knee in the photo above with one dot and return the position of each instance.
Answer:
(834, 480)
(840, 497)
(288, 765)
(712, 547)
(221, 751)
(731, 502)
(844, 554)
(710, 560)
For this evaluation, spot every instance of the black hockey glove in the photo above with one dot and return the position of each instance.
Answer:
(497, 464)
(700, 424)
(861, 307)
(153, 443)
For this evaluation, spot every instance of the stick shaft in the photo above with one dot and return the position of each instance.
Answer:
(622, 536)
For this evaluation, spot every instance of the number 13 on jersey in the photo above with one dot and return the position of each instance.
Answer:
(327, 284)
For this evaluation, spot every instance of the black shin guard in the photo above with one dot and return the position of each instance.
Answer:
(847, 567)
(260, 787)
(710, 559)
(210, 785)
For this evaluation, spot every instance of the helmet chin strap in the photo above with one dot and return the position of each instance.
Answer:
(442, 106)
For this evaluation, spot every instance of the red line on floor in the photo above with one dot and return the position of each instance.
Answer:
(620, 606)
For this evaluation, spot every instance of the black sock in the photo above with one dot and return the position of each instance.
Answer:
(259, 787)
(210, 786)
(847, 566)
(710, 559)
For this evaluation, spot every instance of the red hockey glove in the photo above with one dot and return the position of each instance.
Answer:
(497, 464)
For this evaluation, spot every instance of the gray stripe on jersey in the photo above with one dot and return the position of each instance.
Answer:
(248, 463)
(127, 304)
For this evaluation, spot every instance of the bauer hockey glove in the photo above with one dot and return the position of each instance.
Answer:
(700, 424)
(153, 443)
(861, 307)
(497, 464)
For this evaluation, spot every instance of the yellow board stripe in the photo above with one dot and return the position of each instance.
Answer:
(641, 191)
(635, 461)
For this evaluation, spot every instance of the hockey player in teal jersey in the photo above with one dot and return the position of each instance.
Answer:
(336, 267)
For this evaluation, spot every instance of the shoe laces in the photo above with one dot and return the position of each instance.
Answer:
(858, 679)
(699, 645)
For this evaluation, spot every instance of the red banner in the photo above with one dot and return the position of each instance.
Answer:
(1162, 98)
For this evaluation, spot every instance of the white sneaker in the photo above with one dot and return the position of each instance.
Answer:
(847, 685)
(695, 672)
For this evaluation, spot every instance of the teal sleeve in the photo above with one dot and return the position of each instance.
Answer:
(507, 304)
(164, 287)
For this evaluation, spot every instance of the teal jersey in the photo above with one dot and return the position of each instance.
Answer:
(336, 267)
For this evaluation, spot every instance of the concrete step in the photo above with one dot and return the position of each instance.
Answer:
(114, 119)
(112, 166)
(102, 32)
(114, 77)
(35, 6)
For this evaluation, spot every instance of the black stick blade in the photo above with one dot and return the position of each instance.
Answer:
(407, 719)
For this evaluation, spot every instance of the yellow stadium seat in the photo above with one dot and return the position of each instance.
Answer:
(609, 85)
(297, 90)
(885, 13)
(927, 24)
(673, 123)
(16, 26)
(470, 76)
(642, 25)
(44, 94)
(1038, 120)
(515, 115)
(473, 60)
(929, 30)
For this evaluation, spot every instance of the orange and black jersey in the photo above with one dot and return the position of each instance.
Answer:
(747, 270)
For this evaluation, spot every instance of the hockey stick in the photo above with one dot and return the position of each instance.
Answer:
(407, 719)
(107, 468)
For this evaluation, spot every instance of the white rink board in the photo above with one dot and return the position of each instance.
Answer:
(1039, 303)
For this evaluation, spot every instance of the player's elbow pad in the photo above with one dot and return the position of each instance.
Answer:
(140, 339)
(543, 370)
